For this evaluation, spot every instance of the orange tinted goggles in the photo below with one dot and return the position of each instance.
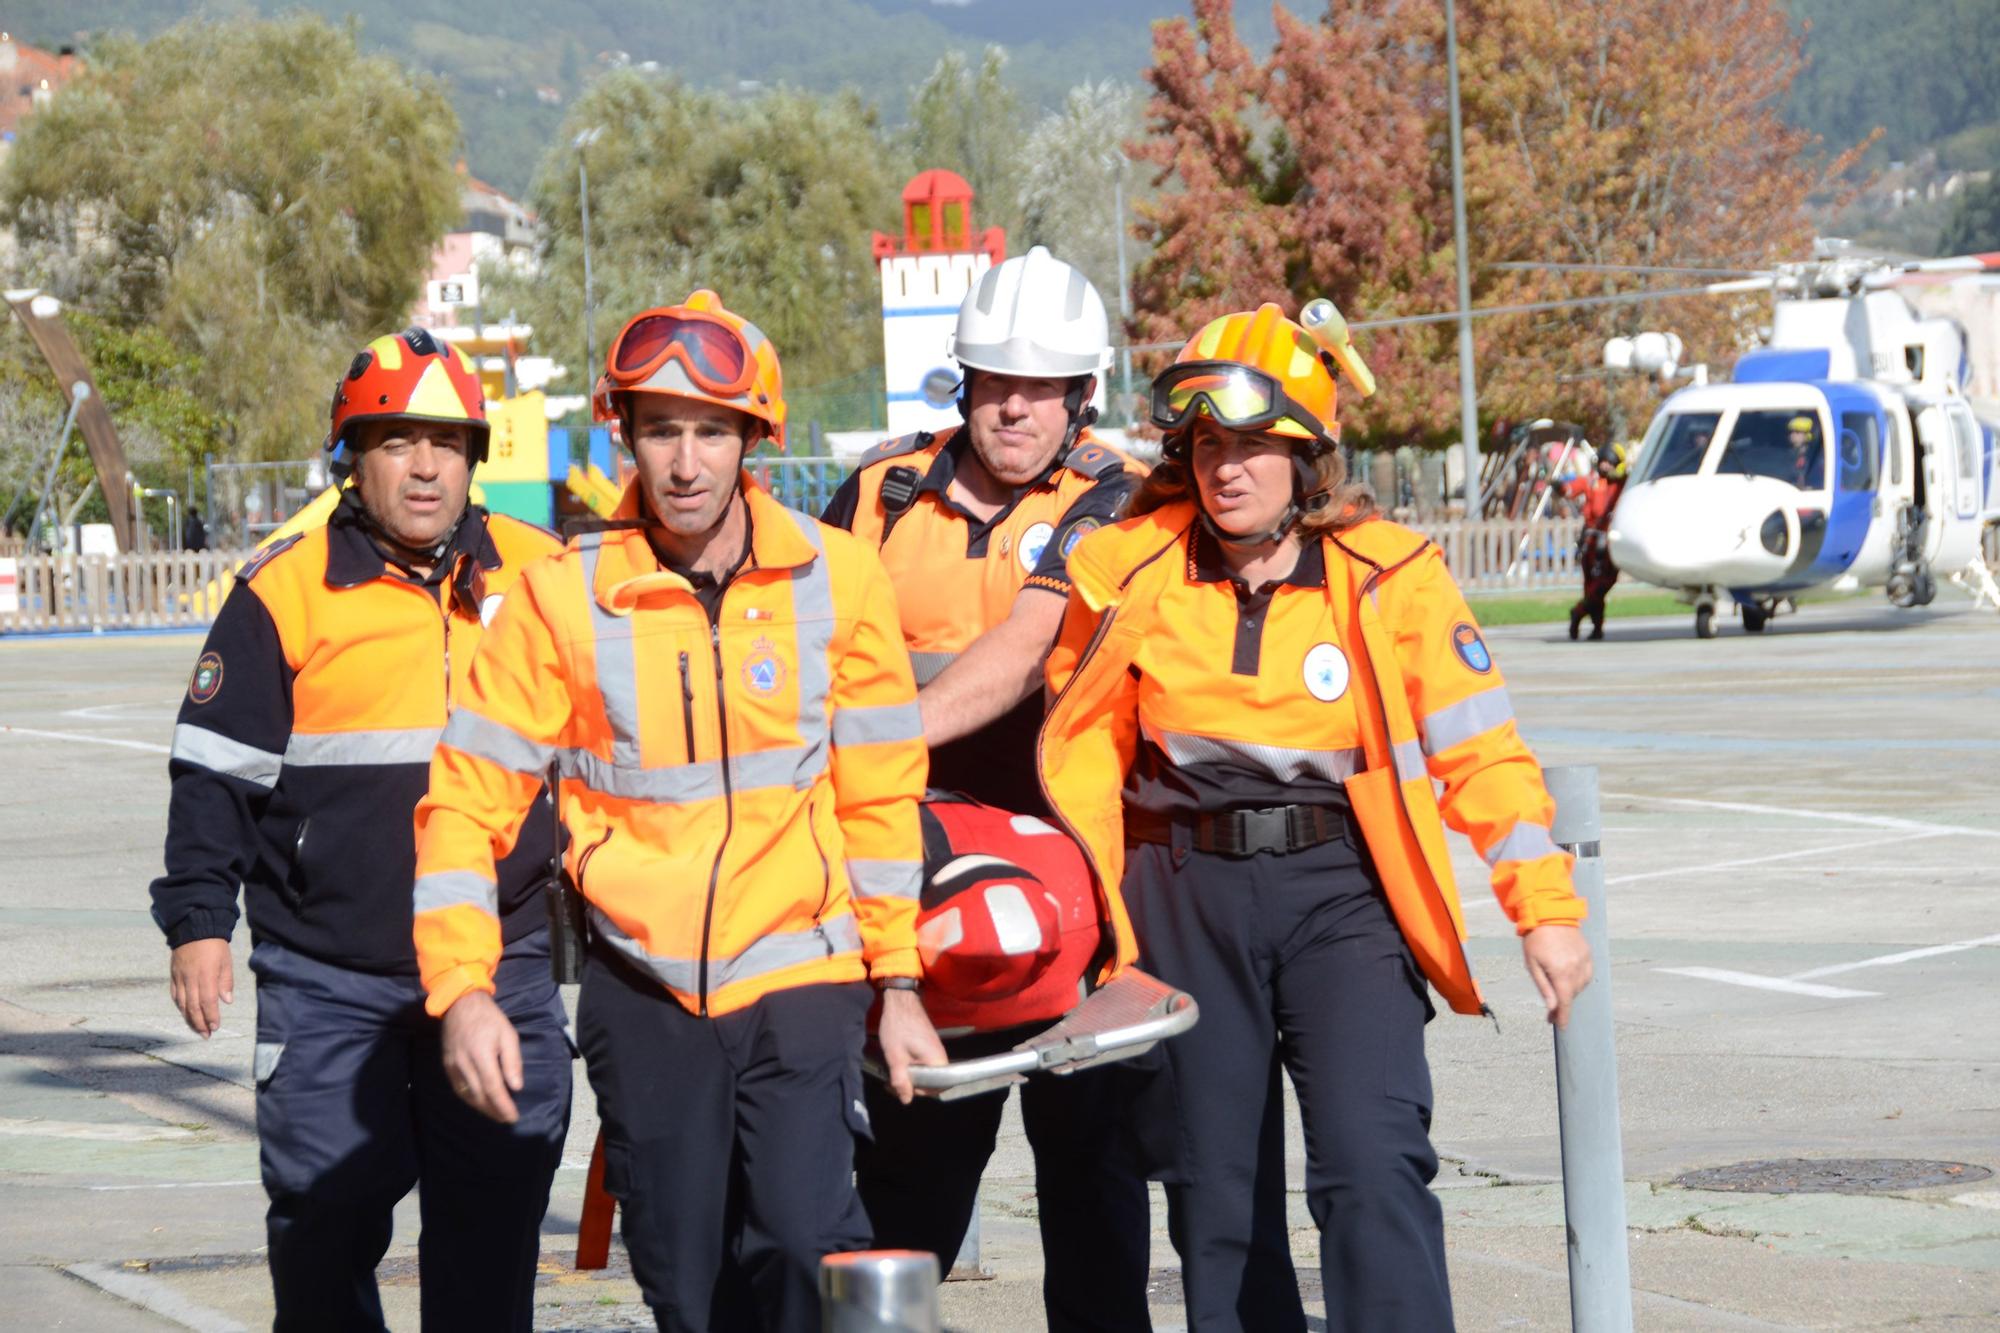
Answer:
(714, 355)
(1237, 396)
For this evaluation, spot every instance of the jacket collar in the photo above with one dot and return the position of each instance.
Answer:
(628, 570)
(353, 557)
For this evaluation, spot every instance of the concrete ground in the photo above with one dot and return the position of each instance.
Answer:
(1806, 963)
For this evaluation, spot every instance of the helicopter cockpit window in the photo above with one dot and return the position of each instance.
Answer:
(1681, 447)
(1860, 451)
(1783, 445)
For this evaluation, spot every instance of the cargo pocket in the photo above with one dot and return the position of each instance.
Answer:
(264, 1063)
(853, 1105)
(1151, 1110)
(1406, 1070)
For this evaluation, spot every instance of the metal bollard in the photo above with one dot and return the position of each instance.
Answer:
(879, 1291)
(1593, 1156)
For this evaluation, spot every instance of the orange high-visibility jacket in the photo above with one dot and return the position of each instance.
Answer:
(1432, 707)
(741, 796)
(952, 596)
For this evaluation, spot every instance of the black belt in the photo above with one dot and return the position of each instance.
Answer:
(1283, 828)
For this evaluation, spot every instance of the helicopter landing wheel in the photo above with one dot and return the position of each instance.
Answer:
(1704, 622)
(1755, 618)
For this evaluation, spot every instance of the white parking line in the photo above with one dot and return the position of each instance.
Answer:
(1891, 959)
(1762, 860)
(1756, 982)
(6, 730)
(1837, 816)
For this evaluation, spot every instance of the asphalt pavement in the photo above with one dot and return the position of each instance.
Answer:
(1799, 830)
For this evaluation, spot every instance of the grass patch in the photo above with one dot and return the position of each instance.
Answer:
(1544, 608)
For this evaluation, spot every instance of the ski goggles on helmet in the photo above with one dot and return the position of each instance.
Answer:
(1231, 394)
(713, 353)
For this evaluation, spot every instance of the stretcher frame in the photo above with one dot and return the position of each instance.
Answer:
(1126, 1017)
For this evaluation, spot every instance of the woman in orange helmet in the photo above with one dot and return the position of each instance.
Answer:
(1258, 682)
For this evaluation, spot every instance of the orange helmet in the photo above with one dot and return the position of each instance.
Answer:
(697, 350)
(413, 376)
(1255, 370)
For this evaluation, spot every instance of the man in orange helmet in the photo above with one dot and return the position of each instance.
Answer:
(722, 685)
(302, 747)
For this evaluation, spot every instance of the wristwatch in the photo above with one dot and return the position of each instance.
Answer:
(897, 983)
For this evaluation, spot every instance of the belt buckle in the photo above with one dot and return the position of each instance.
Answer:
(1264, 830)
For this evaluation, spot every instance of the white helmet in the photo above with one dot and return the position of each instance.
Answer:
(1033, 315)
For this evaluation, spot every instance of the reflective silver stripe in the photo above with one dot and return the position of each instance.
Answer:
(1281, 762)
(1524, 842)
(794, 767)
(929, 666)
(813, 624)
(1474, 715)
(878, 725)
(617, 674)
(1409, 757)
(219, 754)
(455, 888)
(410, 745)
(483, 738)
(885, 879)
(769, 954)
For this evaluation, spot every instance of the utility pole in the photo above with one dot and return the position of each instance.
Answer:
(583, 142)
(1468, 392)
(1124, 297)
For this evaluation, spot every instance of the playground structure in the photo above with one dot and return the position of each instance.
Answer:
(41, 315)
(926, 273)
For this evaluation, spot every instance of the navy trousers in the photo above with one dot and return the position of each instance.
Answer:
(729, 1144)
(353, 1109)
(1297, 963)
(920, 1183)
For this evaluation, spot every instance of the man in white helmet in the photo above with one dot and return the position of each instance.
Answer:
(975, 524)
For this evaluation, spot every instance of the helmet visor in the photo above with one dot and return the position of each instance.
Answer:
(714, 355)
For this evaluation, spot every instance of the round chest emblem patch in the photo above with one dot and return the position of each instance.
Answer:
(1033, 542)
(207, 678)
(1326, 672)
(489, 608)
(1471, 649)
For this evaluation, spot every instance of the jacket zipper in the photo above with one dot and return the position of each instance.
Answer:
(728, 807)
(825, 879)
(687, 707)
(1395, 776)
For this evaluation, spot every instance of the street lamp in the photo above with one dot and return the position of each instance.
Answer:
(581, 143)
(1124, 293)
(1468, 391)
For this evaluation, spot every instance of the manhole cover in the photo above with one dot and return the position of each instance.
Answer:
(1832, 1175)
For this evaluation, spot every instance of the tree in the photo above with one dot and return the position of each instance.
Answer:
(769, 201)
(1325, 171)
(1973, 226)
(1072, 164)
(970, 121)
(261, 191)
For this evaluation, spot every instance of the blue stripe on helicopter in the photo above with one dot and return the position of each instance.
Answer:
(1853, 508)
(1773, 365)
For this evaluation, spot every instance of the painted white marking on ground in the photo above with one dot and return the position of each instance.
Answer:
(1756, 982)
(96, 1130)
(1907, 956)
(6, 730)
(175, 1185)
(150, 1293)
(1764, 860)
(123, 712)
(1837, 816)
(1987, 1199)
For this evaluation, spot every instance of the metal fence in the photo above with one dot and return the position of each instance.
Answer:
(185, 588)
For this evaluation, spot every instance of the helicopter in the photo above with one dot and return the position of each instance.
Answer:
(1842, 454)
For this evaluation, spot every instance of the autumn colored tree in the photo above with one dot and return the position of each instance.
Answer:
(1634, 134)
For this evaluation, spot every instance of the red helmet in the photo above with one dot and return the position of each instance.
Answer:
(1008, 923)
(412, 376)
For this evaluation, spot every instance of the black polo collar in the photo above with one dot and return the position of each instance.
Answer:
(1205, 562)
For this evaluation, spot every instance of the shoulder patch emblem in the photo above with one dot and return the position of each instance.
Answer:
(206, 681)
(1471, 649)
(1033, 542)
(1326, 672)
(1078, 530)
